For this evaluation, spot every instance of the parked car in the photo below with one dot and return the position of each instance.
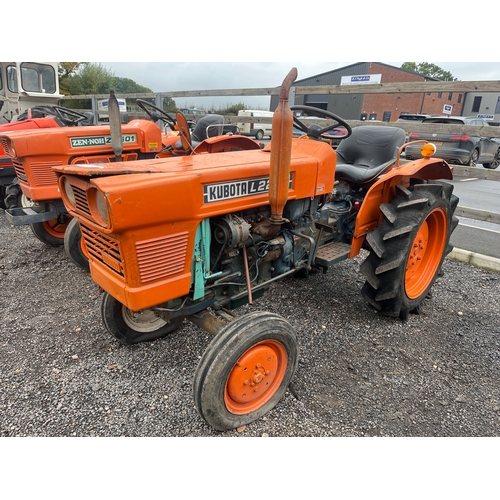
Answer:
(411, 117)
(462, 149)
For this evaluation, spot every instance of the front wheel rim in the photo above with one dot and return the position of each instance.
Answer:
(55, 228)
(255, 377)
(425, 254)
(143, 322)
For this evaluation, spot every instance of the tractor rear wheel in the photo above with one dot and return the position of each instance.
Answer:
(74, 245)
(245, 370)
(131, 327)
(408, 247)
(51, 232)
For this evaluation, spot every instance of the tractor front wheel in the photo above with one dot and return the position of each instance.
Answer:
(74, 245)
(408, 247)
(51, 232)
(131, 327)
(245, 370)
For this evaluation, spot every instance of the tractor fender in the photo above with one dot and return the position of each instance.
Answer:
(384, 191)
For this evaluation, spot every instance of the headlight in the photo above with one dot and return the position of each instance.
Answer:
(68, 191)
(98, 206)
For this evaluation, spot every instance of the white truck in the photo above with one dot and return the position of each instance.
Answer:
(256, 128)
(24, 85)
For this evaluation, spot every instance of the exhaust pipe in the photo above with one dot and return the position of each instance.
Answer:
(115, 126)
(281, 151)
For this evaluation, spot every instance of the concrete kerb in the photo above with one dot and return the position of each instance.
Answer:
(475, 259)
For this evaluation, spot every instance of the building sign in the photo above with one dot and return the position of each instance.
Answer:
(102, 105)
(486, 117)
(360, 79)
(447, 109)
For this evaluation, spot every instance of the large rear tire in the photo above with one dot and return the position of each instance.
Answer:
(408, 247)
(130, 327)
(74, 245)
(245, 370)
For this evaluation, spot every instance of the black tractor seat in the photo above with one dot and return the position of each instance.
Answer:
(201, 130)
(367, 153)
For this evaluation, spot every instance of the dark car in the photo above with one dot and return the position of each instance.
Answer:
(459, 148)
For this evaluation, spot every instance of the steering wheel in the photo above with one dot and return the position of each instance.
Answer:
(315, 131)
(68, 116)
(157, 114)
(184, 132)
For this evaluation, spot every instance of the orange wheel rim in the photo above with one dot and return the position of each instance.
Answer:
(255, 377)
(55, 228)
(425, 254)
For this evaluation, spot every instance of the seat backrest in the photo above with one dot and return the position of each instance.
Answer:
(200, 130)
(370, 145)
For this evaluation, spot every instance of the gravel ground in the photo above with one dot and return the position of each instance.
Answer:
(360, 374)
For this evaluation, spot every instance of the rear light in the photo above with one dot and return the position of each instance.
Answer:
(251, 125)
(459, 138)
(414, 135)
(428, 150)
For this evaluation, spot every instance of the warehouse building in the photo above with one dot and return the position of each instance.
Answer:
(383, 107)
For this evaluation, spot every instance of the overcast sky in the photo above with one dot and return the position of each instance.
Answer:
(174, 76)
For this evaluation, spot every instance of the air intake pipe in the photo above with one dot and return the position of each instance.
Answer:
(281, 151)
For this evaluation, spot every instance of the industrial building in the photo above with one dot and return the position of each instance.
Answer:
(382, 107)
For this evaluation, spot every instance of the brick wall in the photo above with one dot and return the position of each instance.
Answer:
(411, 103)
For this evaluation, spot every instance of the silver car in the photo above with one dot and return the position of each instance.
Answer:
(458, 148)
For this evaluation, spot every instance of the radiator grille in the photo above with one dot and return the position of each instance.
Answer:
(104, 249)
(19, 168)
(161, 257)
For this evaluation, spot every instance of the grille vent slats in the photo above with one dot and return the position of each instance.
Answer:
(43, 173)
(103, 249)
(161, 257)
(81, 200)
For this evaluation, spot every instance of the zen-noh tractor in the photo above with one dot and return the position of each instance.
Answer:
(33, 153)
(196, 236)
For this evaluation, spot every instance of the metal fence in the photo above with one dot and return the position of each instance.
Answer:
(384, 88)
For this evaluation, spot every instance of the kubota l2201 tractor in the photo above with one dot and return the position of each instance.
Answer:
(196, 236)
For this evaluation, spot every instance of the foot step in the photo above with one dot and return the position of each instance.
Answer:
(331, 253)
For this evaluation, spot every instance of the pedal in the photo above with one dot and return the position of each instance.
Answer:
(331, 253)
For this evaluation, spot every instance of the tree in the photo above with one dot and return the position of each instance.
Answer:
(86, 78)
(91, 78)
(66, 69)
(429, 69)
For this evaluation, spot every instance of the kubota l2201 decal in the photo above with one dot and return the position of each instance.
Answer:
(99, 140)
(236, 189)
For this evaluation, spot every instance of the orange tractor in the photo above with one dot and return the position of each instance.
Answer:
(33, 153)
(36, 118)
(196, 236)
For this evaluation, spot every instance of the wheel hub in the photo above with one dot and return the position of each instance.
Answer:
(255, 377)
(425, 254)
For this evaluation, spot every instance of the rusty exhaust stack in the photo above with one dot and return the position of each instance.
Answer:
(281, 151)
(115, 126)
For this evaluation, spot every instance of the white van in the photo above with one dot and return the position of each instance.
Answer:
(259, 130)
